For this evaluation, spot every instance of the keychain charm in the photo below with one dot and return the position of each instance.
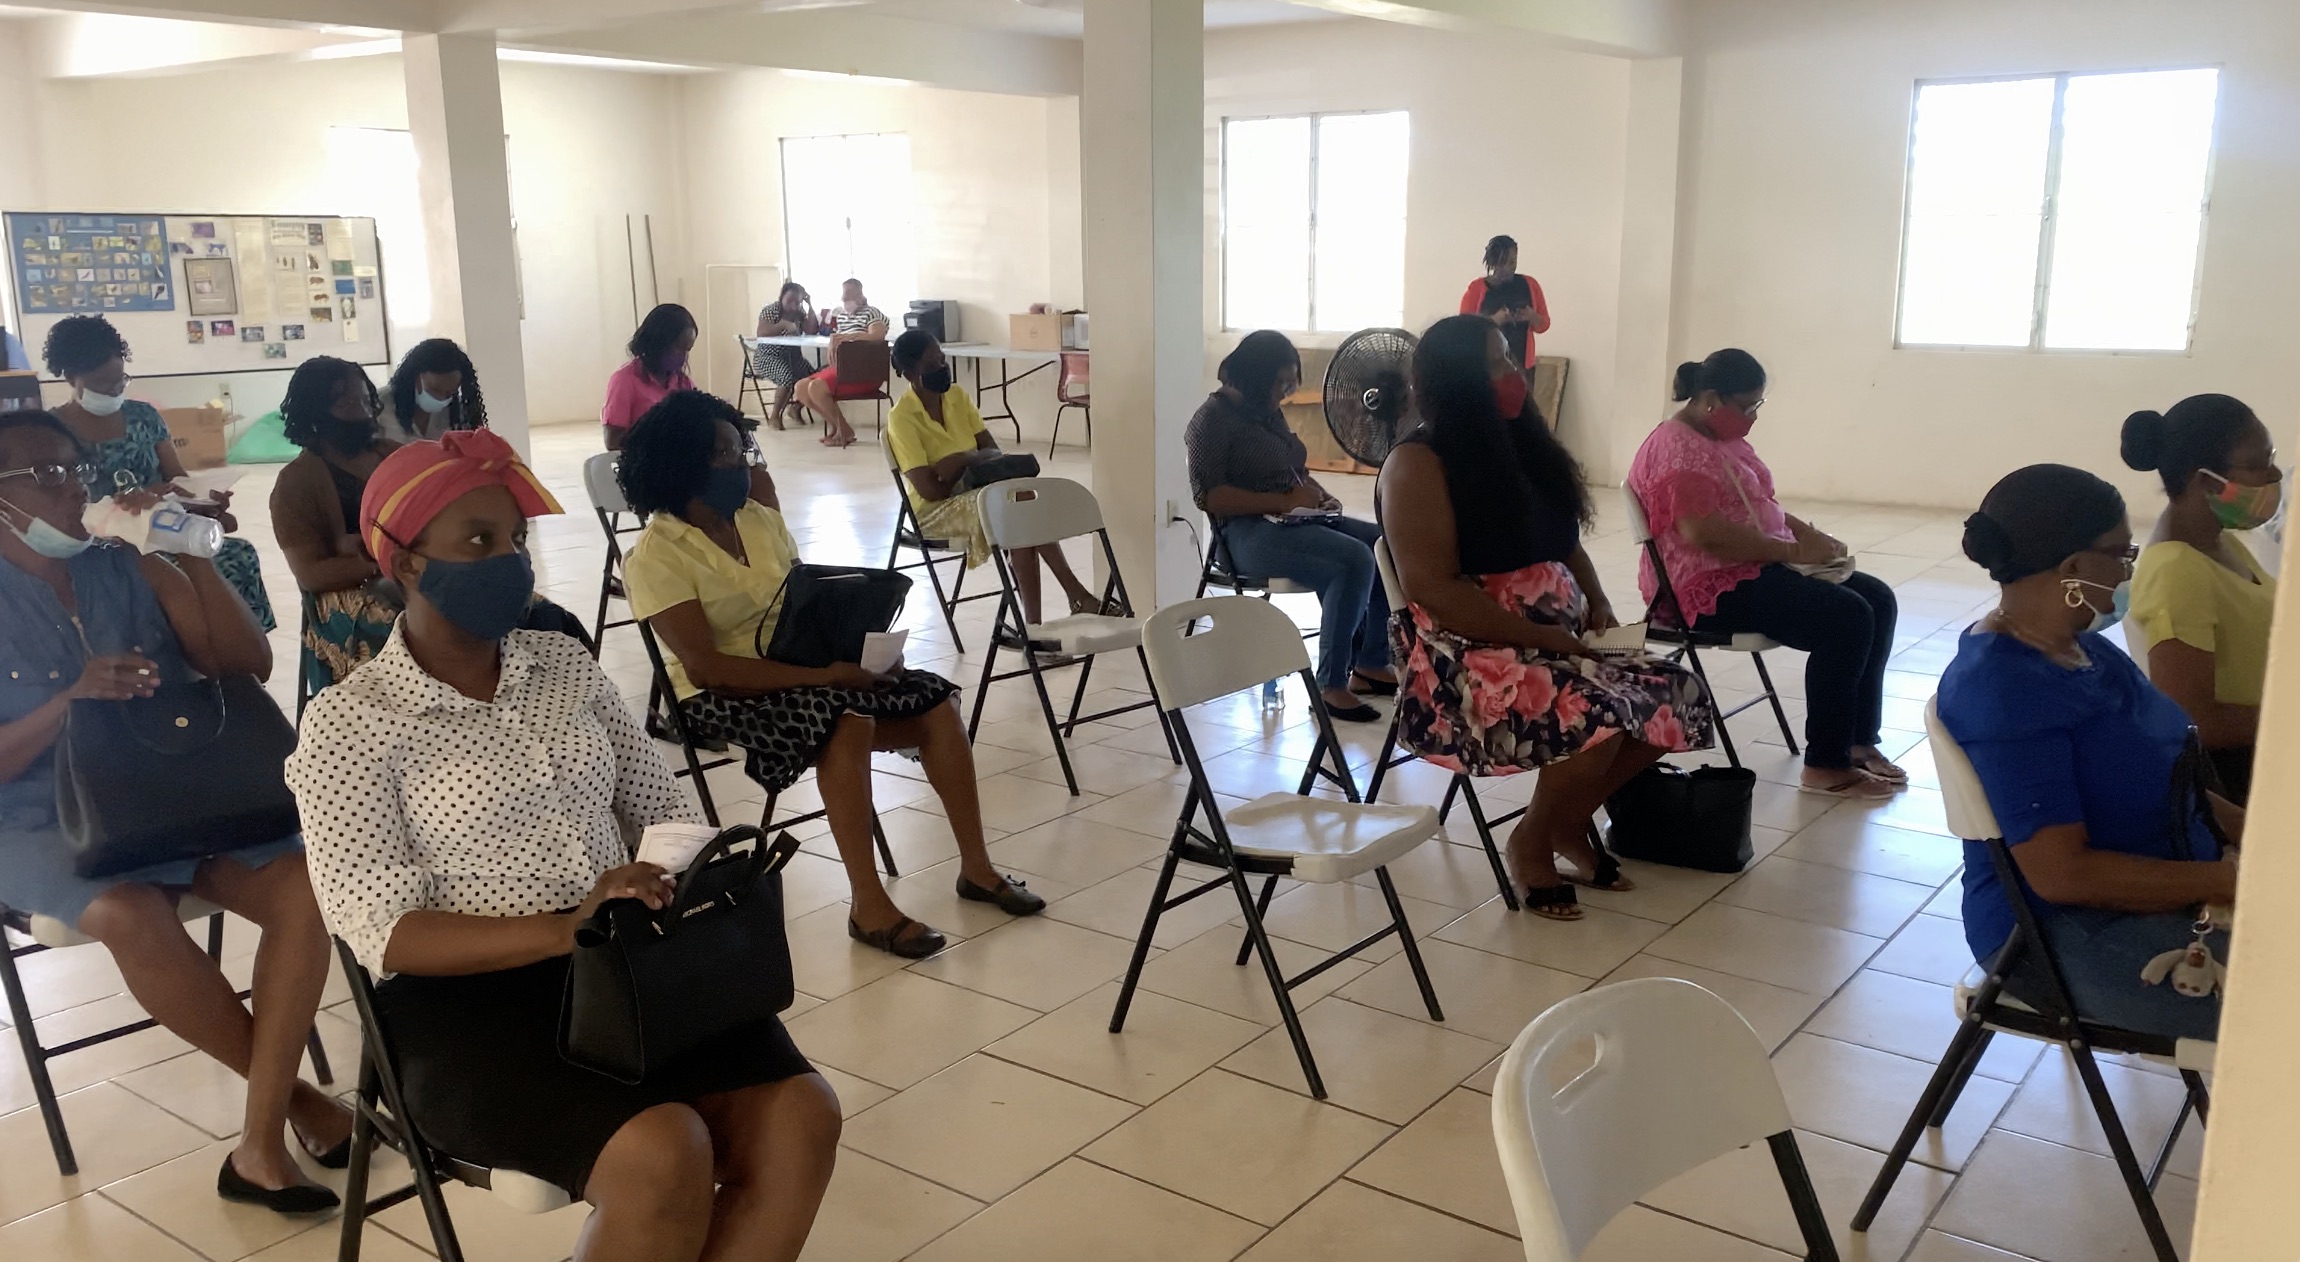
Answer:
(2191, 968)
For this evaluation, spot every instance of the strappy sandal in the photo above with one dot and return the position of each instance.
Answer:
(1608, 876)
(1552, 902)
(897, 940)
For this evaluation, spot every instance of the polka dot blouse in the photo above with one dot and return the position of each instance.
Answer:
(416, 797)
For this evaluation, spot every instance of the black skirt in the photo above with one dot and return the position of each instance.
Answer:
(784, 732)
(479, 1060)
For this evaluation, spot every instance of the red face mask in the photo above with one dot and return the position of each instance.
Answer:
(1509, 395)
(1728, 422)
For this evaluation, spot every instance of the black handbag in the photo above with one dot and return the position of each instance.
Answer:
(645, 987)
(1687, 819)
(999, 468)
(826, 610)
(196, 769)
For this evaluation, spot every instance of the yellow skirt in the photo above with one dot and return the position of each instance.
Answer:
(957, 521)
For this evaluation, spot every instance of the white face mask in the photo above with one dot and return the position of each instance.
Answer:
(102, 404)
(432, 403)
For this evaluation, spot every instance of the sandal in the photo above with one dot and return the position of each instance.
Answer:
(897, 940)
(1552, 902)
(1608, 876)
(1858, 785)
(1877, 765)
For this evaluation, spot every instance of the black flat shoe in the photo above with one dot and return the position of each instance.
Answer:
(661, 731)
(1359, 713)
(336, 1158)
(1607, 877)
(1552, 902)
(1367, 685)
(1012, 896)
(303, 1198)
(893, 940)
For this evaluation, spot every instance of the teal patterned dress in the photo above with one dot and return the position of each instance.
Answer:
(133, 460)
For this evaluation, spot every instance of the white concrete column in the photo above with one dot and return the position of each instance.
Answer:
(455, 112)
(1142, 133)
(1641, 360)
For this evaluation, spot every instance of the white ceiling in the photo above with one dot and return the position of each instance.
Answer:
(1063, 18)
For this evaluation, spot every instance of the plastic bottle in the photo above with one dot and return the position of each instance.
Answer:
(166, 528)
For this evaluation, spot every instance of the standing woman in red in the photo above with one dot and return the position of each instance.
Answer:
(1512, 299)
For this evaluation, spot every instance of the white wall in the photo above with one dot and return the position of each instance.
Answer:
(1508, 136)
(22, 182)
(1796, 134)
(586, 147)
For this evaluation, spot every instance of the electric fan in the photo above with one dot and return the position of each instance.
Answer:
(1368, 400)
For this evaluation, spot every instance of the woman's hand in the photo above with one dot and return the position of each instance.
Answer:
(116, 677)
(1557, 641)
(1600, 616)
(140, 499)
(1814, 549)
(644, 881)
(1305, 495)
(850, 675)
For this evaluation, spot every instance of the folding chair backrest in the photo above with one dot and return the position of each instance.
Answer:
(1250, 643)
(862, 363)
(1640, 529)
(744, 348)
(1027, 512)
(1388, 570)
(1073, 385)
(599, 480)
(1966, 802)
(1677, 1078)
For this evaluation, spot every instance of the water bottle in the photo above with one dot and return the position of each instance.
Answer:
(168, 527)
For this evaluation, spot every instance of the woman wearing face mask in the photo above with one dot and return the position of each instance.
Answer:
(435, 390)
(1250, 475)
(935, 432)
(2200, 602)
(1509, 298)
(658, 365)
(466, 796)
(1733, 555)
(128, 443)
(705, 574)
(330, 412)
(2078, 755)
(791, 313)
(1483, 510)
(98, 622)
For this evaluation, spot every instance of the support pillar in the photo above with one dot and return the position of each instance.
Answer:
(1142, 131)
(455, 113)
(1642, 364)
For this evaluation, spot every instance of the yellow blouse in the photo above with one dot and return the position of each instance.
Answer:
(673, 563)
(917, 440)
(2179, 593)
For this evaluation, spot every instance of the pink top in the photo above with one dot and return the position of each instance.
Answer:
(1678, 474)
(631, 391)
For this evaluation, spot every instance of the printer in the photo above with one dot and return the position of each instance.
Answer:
(938, 316)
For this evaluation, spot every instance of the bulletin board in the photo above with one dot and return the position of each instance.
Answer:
(204, 294)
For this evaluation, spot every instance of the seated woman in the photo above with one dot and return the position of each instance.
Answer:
(330, 412)
(127, 441)
(853, 320)
(790, 314)
(98, 622)
(1733, 556)
(1484, 509)
(1249, 473)
(935, 432)
(466, 799)
(2077, 753)
(705, 575)
(435, 389)
(2200, 601)
(658, 365)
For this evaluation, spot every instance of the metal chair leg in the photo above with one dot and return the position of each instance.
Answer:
(1773, 695)
(1485, 834)
(1278, 990)
(36, 1063)
(2120, 1146)
(1406, 939)
(1812, 1224)
(1940, 1113)
(1261, 908)
(1960, 1047)
(1142, 943)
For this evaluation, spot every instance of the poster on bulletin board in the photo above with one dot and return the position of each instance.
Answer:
(66, 264)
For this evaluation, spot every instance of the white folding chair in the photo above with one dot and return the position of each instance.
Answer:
(607, 501)
(1682, 641)
(2047, 1012)
(1035, 512)
(1315, 840)
(1678, 1078)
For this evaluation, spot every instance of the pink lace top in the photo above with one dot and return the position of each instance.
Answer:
(1678, 474)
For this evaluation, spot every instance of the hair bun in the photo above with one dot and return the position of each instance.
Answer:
(1682, 386)
(1986, 542)
(2142, 441)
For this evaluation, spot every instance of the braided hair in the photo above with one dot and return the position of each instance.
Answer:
(436, 355)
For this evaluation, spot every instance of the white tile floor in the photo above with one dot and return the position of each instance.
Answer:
(991, 1115)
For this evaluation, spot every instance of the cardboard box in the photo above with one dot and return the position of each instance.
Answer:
(198, 435)
(1031, 332)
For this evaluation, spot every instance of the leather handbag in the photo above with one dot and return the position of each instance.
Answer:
(196, 769)
(999, 468)
(646, 987)
(1687, 819)
(824, 611)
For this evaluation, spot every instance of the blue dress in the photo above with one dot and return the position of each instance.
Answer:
(133, 460)
(41, 655)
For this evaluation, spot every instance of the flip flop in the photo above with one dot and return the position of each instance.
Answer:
(1552, 902)
(1883, 769)
(1607, 878)
(1858, 786)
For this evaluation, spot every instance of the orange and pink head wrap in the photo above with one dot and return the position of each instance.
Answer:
(414, 483)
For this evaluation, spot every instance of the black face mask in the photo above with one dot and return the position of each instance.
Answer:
(935, 380)
(348, 437)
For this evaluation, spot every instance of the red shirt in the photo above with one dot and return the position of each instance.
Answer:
(1473, 299)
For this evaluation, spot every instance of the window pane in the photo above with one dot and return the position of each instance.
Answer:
(1361, 221)
(847, 212)
(2135, 150)
(1266, 223)
(1976, 196)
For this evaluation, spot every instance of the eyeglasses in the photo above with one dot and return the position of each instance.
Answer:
(2127, 556)
(53, 475)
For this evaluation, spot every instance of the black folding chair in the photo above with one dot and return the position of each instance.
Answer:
(2046, 1010)
(752, 385)
(933, 553)
(45, 933)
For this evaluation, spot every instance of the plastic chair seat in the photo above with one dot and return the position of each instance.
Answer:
(1745, 642)
(1081, 634)
(1219, 574)
(1327, 841)
(2195, 1054)
(525, 1193)
(51, 932)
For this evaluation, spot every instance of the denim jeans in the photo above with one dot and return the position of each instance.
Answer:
(1846, 629)
(1333, 556)
(2101, 954)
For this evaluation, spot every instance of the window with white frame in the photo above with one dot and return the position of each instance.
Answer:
(1314, 222)
(847, 212)
(2057, 212)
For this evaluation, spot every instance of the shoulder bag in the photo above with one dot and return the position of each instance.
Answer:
(646, 987)
(999, 468)
(1687, 819)
(195, 769)
(824, 611)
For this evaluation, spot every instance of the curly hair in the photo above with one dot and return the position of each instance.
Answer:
(667, 455)
(309, 406)
(652, 341)
(1498, 249)
(78, 344)
(436, 354)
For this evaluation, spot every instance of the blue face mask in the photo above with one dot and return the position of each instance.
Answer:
(727, 490)
(46, 539)
(486, 598)
(2102, 619)
(431, 403)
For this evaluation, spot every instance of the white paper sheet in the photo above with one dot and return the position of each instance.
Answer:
(882, 650)
(673, 846)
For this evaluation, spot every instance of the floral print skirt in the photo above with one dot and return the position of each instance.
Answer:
(1491, 710)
